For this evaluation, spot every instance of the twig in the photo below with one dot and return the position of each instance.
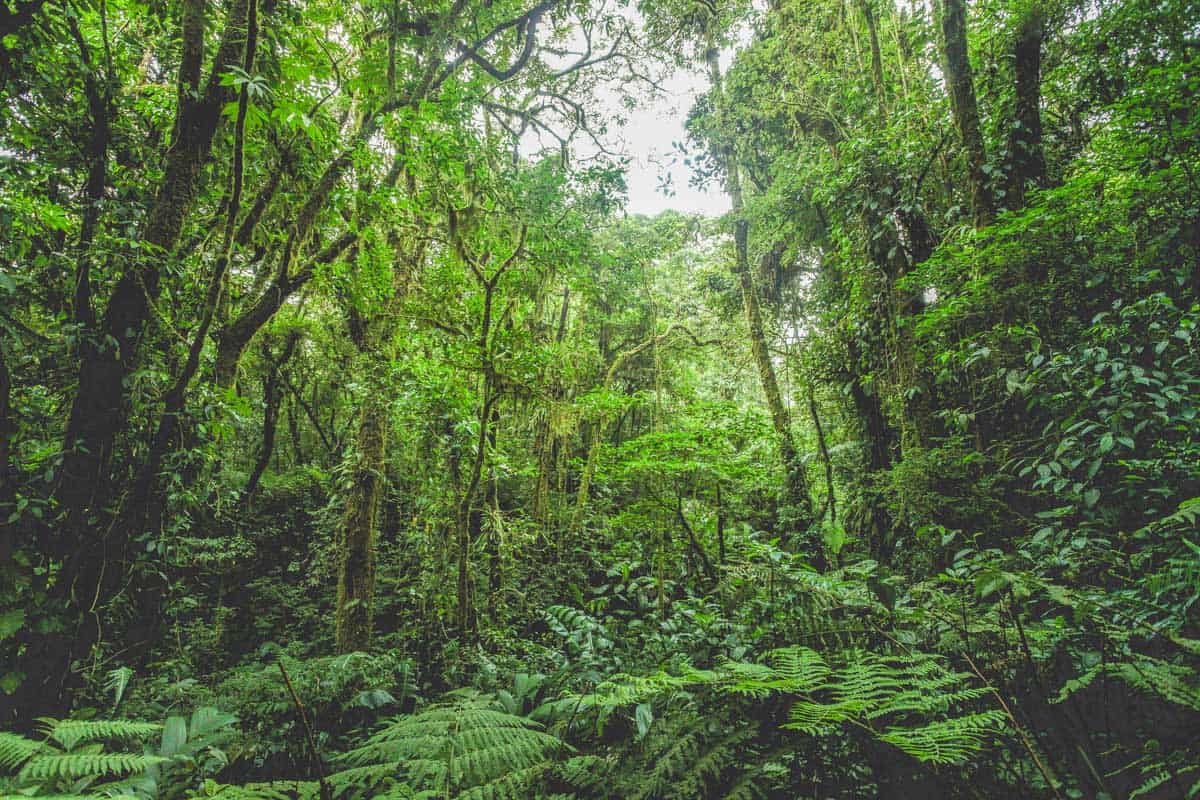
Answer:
(326, 793)
(1053, 784)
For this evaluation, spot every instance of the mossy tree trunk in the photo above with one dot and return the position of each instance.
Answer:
(356, 546)
(797, 516)
(1027, 161)
(960, 82)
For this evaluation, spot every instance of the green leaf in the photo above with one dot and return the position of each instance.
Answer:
(174, 736)
(990, 581)
(643, 715)
(11, 621)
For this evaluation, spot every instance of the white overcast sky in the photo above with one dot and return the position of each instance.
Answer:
(648, 140)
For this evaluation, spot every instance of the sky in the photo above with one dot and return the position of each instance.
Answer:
(648, 140)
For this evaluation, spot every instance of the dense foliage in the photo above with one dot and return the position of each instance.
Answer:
(355, 442)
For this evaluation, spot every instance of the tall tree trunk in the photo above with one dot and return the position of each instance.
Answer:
(374, 339)
(94, 551)
(826, 461)
(1027, 161)
(492, 502)
(356, 570)
(874, 521)
(798, 512)
(97, 414)
(544, 438)
(272, 395)
(960, 82)
(868, 12)
(8, 430)
(293, 419)
(146, 506)
(720, 526)
(467, 523)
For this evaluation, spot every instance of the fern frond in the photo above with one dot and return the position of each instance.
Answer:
(513, 785)
(86, 765)
(948, 741)
(15, 750)
(275, 790)
(72, 732)
(465, 743)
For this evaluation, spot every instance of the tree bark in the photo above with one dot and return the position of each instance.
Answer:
(720, 526)
(960, 82)
(93, 549)
(798, 512)
(8, 430)
(356, 570)
(874, 521)
(544, 439)
(868, 13)
(1027, 162)
(97, 414)
(272, 395)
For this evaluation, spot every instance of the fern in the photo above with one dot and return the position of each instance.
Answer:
(275, 790)
(1159, 774)
(72, 756)
(949, 741)
(1172, 682)
(910, 702)
(16, 750)
(71, 732)
(464, 748)
(85, 765)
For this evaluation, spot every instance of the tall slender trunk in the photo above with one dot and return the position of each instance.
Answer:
(466, 523)
(544, 438)
(293, 419)
(960, 82)
(720, 526)
(492, 502)
(272, 396)
(826, 461)
(874, 521)
(356, 570)
(798, 512)
(868, 12)
(8, 430)
(1027, 161)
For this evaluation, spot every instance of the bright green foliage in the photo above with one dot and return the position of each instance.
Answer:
(463, 748)
(340, 390)
(72, 755)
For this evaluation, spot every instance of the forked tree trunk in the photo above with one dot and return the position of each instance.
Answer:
(98, 410)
